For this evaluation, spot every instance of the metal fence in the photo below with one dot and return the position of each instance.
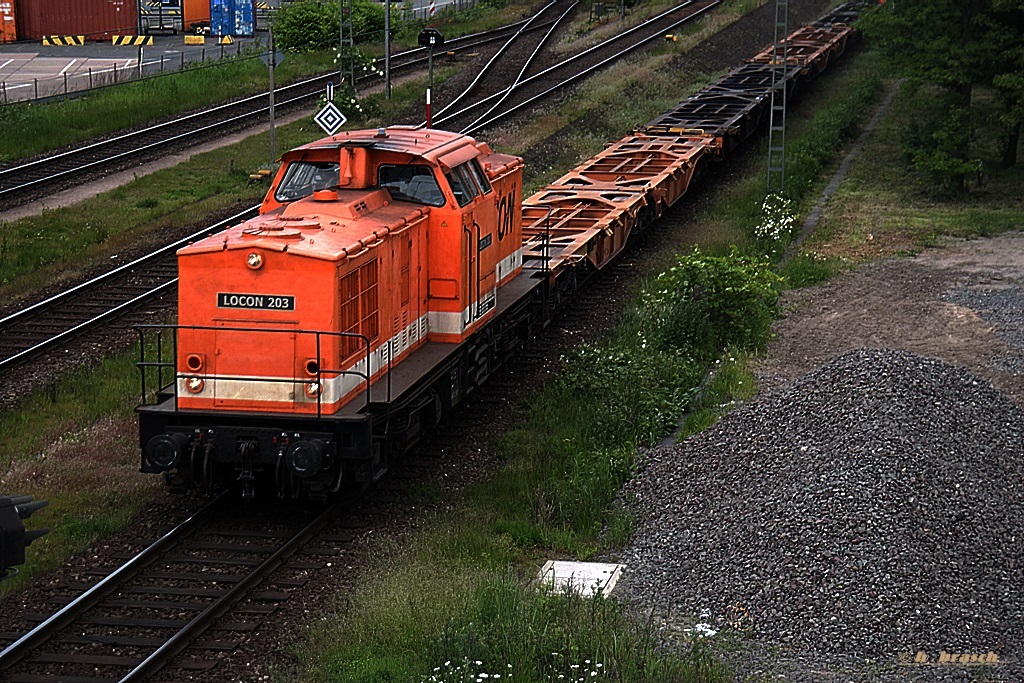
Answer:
(115, 71)
(118, 71)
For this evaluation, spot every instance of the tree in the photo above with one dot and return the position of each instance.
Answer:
(310, 25)
(1008, 82)
(957, 45)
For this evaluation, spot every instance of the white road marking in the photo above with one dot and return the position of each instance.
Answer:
(6, 63)
(70, 64)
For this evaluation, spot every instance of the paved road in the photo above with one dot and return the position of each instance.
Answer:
(30, 69)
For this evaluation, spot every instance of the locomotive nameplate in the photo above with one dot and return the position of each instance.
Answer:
(272, 302)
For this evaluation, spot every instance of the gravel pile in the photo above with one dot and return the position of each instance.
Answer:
(1003, 307)
(865, 513)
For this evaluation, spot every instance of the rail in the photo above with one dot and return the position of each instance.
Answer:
(67, 614)
(24, 315)
(656, 34)
(161, 649)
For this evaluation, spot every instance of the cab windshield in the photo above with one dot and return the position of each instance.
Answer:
(410, 183)
(304, 177)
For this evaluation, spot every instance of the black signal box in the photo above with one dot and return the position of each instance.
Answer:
(430, 37)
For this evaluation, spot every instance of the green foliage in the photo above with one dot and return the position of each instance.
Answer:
(632, 393)
(937, 147)
(312, 25)
(829, 128)
(806, 269)
(957, 46)
(704, 303)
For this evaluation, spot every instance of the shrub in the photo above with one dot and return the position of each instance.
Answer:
(705, 303)
(311, 25)
(939, 148)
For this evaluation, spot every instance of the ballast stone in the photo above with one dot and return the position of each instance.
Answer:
(866, 513)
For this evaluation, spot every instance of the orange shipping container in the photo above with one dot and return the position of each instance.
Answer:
(195, 11)
(95, 19)
(8, 31)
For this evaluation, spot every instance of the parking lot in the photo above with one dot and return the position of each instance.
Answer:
(32, 70)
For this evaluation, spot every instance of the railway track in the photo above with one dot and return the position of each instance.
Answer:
(152, 599)
(32, 332)
(26, 181)
(531, 89)
(183, 591)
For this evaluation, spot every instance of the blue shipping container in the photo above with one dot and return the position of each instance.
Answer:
(232, 17)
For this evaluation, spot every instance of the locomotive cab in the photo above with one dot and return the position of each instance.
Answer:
(474, 201)
(370, 246)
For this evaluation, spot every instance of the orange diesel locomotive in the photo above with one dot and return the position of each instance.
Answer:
(372, 248)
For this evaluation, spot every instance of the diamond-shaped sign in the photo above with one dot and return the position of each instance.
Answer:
(330, 119)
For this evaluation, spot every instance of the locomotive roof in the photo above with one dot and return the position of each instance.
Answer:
(330, 225)
(440, 146)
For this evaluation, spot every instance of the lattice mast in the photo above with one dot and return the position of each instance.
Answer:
(777, 121)
(346, 53)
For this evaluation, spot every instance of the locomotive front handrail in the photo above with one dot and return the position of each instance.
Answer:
(160, 363)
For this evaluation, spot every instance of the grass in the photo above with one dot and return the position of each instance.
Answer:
(55, 125)
(490, 623)
(730, 382)
(883, 208)
(808, 268)
(74, 444)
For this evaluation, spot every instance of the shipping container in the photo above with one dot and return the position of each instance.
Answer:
(232, 17)
(94, 19)
(196, 12)
(8, 25)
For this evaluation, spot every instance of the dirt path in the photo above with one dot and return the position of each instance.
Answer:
(960, 303)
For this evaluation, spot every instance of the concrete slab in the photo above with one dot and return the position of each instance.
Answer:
(588, 578)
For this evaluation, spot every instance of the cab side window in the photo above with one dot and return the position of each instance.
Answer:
(302, 178)
(464, 187)
(479, 175)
